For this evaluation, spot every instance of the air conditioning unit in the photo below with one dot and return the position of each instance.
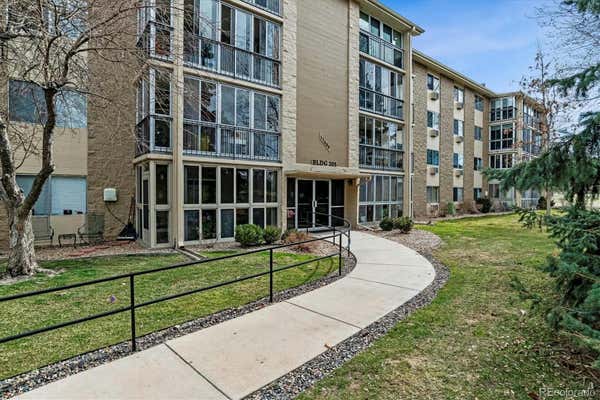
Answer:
(434, 95)
(459, 139)
(434, 170)
(459, 105)
(434, 132)
(459, 172)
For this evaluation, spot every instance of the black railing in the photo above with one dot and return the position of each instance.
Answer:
(222, 58)
(380, 49)
(381, 158)
(382, 104)
(339, 232)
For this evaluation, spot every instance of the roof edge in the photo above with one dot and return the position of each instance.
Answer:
(416, 29)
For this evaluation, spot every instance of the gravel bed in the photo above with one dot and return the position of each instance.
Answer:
(30, 380)
(295, 382)
(418, 240)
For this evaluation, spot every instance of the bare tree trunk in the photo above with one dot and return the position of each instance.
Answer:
(21, 256)
(548, 202)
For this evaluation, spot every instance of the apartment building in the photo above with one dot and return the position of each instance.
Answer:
(282, 112)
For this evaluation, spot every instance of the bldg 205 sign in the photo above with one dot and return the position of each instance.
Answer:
(324, 163)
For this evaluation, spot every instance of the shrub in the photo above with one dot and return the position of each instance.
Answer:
(248, 235)
(271, 234)
(386, 224)
(404, 224)
(486, 204)
(451, 209)
(294, 236)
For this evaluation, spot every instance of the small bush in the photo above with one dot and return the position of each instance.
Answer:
(451, 209)
(386, 224)
(403, 224)
(486, 204)
(271, 234)
(248, 235)
(294, 236)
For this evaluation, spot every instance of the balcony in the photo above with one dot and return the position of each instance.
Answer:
(501, 114)
(156, 41)
(273, 6)
(213, 140)
(153, 134)
(379, 158)
(211, 55)
(380, 49)
(382, 104)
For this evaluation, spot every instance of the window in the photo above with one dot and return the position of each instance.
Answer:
(501, 161)
(227, 185)
(458, 194)
(433, 120)
(380, 41)
(478, 164)
(433, 83)
(433, 194)
(258, 185)
(478, 103)
(458, 161)
(61, 195)
(502, 109)
(459, 128)
(380, 143)
(191, 225)
(459, 95)
(501, 137)
(381, 196)
(242, 186)
(27, 104)
(154, 112)
(477, 134)
(209, 185)
(433, 157)
(477, 193)
(381, 90)
(494, 189)
(162, 227)
(162, 184)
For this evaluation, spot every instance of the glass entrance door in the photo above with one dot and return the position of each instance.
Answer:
(305, 202)
(321, 204)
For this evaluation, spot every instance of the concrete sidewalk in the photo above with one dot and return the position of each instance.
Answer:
(240, 356)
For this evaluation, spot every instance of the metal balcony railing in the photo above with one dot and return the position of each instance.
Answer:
(153, 134)
(380, 49)
(214, 140)
(382, 104)
(380, 158)
(273, 6)
(211, 55)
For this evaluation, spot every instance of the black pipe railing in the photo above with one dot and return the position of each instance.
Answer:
(133, 306)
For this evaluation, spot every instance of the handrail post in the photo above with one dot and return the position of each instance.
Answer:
(271, 275)
(334, 235)
(340, 257)
(132, 307)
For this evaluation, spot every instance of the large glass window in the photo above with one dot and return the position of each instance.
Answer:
(381, 90)
(380, 144)
(433, 157)
(433, 194)
(209, 185)
(27, 104)
(162, 184)
(501, 161)
(479, 103)
(258, 185)
(154, 111)
(502, 109)
(242, 186)
(227, 185)
(381, 196)
(501, 137)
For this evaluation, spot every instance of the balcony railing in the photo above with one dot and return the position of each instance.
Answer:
(379, 158)
(500, 114)
(273, 6)
(211, 55)
(380, 49)
(153, 134)
(213, 140)
(381, 104)
(157, 41)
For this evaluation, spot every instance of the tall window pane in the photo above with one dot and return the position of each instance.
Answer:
(271, 186)
(227, 227)
(192, 185)
(242, 108)
(227, 178)
(258, 182)
(162, 184)
(209, 224)
(209, 185)
(209, 102)
(242, 186)
(260, 111)
(227, 105)
(191, 225)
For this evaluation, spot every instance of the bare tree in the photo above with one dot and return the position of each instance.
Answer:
(554, 107)
(45, 44)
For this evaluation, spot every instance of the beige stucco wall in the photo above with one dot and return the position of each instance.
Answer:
(322, 86)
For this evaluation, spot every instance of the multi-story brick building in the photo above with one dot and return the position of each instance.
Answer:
(288, 113)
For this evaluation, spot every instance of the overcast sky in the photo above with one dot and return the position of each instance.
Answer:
(491, 41)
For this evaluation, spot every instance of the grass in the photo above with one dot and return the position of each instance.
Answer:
(40, 311)
(478, 339)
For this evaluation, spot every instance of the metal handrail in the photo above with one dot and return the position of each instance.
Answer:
(344, 231)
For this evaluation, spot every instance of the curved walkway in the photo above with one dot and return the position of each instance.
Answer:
(240, 356)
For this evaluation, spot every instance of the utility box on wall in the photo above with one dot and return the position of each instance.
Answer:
(110, 195)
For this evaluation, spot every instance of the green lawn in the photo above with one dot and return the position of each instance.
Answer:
(31, 313)
(472, 342)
